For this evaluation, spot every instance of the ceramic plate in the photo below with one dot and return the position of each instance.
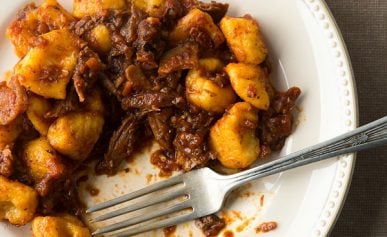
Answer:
(306, 50)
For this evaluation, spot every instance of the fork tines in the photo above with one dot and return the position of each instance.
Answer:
(153, 198)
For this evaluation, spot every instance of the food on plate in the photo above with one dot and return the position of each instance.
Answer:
(210, 225)
(233, 138)
(266, 227)
(10, 132)
(58, 226)
(184, 56)
(44, 164)
(75, 134)
(210, 95)
(154, 8)
(197, 20)
(100, 38)
(13, 100)
(33, 21)
(94, 86)
(244, 38)
(82, 8)
(250, 83)
(18, 202)
(38, 107)
(47, 67)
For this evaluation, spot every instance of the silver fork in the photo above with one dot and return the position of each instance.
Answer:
(205, 191)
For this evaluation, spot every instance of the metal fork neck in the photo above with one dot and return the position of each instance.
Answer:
(368, 136)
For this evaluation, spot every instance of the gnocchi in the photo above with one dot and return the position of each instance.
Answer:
(94, 103)
(44, 165)
(82, 8)
(46, 69)
(155, 8)
(18, 202)
(201, 20)
(35, 21)
(233, 138)
(9, 132)
(59, 226)
(36, 112)
(250, 83)
(75, 134)
(205, 93)
(100, 38)
(245, 39)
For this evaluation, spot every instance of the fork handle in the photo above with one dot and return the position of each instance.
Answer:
(368, 136)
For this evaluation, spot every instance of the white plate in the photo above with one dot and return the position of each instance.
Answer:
(306, 50)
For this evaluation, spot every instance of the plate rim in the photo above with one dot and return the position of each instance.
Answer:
(337, 196)
(325, 223)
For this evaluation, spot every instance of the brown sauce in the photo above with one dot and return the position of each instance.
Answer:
(210, 225)
(141, 81)
(266, 227)
(92, 190)
(169, 231)
(228, 233)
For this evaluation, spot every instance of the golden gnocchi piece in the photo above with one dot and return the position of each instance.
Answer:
(54, 15)
(233, 138)
(35, 21)
(59, 226)
(83, 8)
(18, 202)
(154, 8)
(75, 134)
(46, 69)
(245, 39)
(198, 19)
(36, 111)
(44, 165)
(205, 93)
(100, 38)
(94, 103)
(9, 132)
(249, 82)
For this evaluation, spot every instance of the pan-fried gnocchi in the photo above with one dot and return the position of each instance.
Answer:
(36, 112)
(205, 93)
(233, 138)
(245, 39)
(200, 20)
(155, 8)
(46, 69)
(44, 164)
(250, 83)
(75, 134)
(101, 38)
(62, 225)
(18, 202)
(82, 8)
(9, 132)
(35, 21)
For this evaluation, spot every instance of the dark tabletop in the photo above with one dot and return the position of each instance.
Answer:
(364, 27)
